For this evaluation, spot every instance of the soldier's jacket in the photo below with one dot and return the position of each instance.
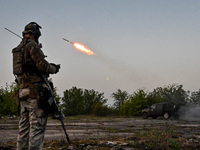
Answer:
(34, 64)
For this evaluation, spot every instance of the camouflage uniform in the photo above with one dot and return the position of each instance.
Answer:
(33, 119)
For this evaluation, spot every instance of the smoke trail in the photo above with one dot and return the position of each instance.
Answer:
(124, 72)
(190, 112)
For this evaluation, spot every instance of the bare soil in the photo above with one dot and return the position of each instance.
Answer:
(104, 133)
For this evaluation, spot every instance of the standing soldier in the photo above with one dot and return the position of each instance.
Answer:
(29, 65)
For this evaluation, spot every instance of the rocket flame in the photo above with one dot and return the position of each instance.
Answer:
(83, 49)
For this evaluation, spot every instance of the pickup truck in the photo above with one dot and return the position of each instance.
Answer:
(161, 109)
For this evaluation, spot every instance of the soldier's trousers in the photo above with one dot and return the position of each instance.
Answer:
(32, 126)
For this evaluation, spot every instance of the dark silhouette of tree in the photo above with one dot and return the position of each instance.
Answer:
(77, 101)
(119, 98)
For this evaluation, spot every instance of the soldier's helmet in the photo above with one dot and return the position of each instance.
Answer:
(33, 28)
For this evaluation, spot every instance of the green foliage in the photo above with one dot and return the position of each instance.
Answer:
(91, 99)
(7, 103)
(175, 144)
(78, 101)
(119, 98)
(155, 96)
(136, 102)
(176, 91)
(142, 99)
(195, 97)
(101, 110)
(72, 101)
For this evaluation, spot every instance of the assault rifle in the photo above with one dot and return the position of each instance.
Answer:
(52, 101)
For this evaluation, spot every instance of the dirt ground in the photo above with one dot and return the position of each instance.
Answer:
(87, 132)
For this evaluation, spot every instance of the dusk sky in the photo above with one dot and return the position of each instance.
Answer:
(137, 43)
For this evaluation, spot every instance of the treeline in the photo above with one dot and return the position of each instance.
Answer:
(77, 101)
(8, 105)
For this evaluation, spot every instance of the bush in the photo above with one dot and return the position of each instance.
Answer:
(101, 110)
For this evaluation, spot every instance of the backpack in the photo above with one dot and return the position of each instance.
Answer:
(18, 58)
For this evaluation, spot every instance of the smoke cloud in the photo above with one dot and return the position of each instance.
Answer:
(190, 113)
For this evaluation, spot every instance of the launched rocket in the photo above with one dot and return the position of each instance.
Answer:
(81, 47)
(68, 41)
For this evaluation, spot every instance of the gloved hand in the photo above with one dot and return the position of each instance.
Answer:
(56, 66)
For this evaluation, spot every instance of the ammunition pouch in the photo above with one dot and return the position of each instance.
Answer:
(29, 92)
(45, 100)
(24, 94)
